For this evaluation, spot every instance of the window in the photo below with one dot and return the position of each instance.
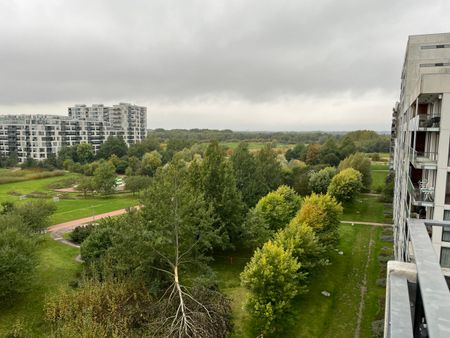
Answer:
(446, 215)
(435, 46)
(445, 234)
(447, 190)
(445, 257)
(438, 64)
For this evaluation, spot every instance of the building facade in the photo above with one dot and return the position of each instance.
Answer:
(126, 120)
(421, 138)
(38, 136)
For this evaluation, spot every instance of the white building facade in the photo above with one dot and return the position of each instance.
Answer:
(421, 138)
(38, 136)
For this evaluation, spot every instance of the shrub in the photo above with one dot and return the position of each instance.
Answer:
(80, 233)
(346, 185)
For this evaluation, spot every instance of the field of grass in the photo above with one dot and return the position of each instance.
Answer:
(317, 315)
(365, 208)
(56, 269)
(74, 207)
(379, 173)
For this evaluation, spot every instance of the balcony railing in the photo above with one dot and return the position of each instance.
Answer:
(423, 159)
(421, 193)
(429, 121)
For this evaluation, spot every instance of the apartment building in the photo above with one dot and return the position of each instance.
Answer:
(421, 136)
(38, 136)
(127, 120)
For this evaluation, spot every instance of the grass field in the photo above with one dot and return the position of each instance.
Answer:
(316, 315)
(379, 173)
(67, 209)
(56, 269)
(365, 208)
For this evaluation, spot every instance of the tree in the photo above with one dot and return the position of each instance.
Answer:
(312, 154)
(105, 178)
(150, 162)
(134, 166)
(145, 146)
(296, 153)
(219, 187)
(180, 222)
(68, 153)
(347, 146)
(17, 258)
(346, 185)
(268, 169)
(360, 162)
(247, 181)
(85, 153)
(113, 145)
(319, 181)
(322, 213)
(137, 183)
(329, 153)
(301, 240)
(273, 280)
(35, 214)
(86, 185)
(279, 207)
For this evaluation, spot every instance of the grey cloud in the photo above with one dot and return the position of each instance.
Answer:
(178, 50)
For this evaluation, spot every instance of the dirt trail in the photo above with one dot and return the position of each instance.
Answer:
(363, 289)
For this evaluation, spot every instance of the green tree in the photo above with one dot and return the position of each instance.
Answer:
(137, 183)
(273, 279)
(319, 181)
(360, 162)
(35, 214)
(85, 153)
(151, 162)
(86, 185)
(219, 187)
(346, 185)
(145, 146)
(17, 257)
(105, 178)
(268, 169)
(302, 241)
(279, 207)
(322, 213)
(112, 145)
(296, 153)
(134, 166)
(347, 146)
(247, 181)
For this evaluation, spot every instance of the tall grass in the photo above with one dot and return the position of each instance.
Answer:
(12, 177)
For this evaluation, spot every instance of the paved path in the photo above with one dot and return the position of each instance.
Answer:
(67, 226)
(368, 223)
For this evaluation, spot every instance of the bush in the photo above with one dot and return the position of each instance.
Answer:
(346, 185)
(17, 257)
(361, 163)
(319, 181)
(80, 233)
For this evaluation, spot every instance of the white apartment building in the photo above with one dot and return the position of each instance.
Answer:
(129, 121)
(421, 138)
(38, 136)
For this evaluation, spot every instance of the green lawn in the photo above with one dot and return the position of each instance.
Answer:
(56, 269)
(379, 173)
(316, 315)
(67, 209)
(365, 209)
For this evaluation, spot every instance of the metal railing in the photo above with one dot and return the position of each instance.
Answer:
(419, 158)
(417, 295)
(421, 192)
(429, 121)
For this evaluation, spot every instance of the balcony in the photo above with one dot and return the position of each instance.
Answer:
(423, 159)
(422, 193)
(429, 122)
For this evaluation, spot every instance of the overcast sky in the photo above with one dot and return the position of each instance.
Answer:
(237, 64)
